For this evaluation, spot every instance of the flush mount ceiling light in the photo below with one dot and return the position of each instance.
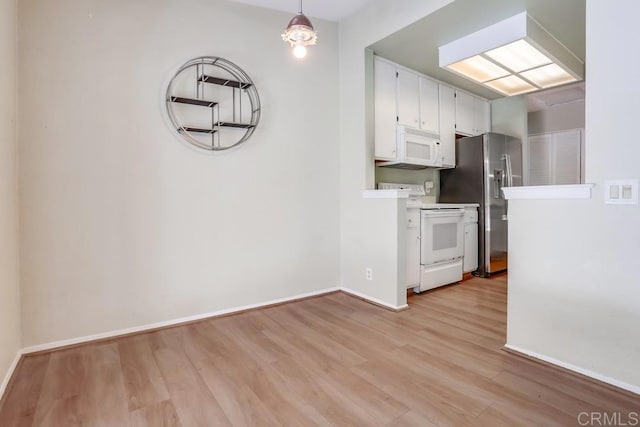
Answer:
(300, 34)
(514, 56)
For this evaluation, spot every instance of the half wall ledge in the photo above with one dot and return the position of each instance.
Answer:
(540, 192)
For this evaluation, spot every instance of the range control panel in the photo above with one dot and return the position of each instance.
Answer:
(415, 190)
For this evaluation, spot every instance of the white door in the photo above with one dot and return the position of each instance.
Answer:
(470, 248)
(464, 113)
(555, 158)
(384, 76)
(442, 235)
(429, 106)
(408, 99)
(447, 126)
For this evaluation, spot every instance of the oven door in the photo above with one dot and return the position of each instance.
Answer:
(442, 235)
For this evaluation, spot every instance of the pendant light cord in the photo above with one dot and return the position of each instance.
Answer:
(300, 8)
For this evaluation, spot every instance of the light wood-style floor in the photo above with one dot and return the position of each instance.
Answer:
(331, 360)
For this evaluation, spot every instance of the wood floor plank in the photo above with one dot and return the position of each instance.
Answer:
(162, 414)
(143, 380)
(318, 390)
(20, 406)
(191, 398)
(103, 398)
(411, 419)
(291, 319)
(246, 330)
(63, 383)
(60, 413)
(205, 342)
(469, 382)
(238, 401)
(536, 392)
(603, 397)
(397, 381)
(330, 360)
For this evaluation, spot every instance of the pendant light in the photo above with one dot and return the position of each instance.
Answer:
(300, 34)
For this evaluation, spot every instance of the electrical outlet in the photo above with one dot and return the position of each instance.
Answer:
(369, 272)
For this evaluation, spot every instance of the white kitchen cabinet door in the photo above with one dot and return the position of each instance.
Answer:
(385, 83)
(465, 113)
(481, 116)
(470, 262)
(447, 125)
(429, 106)
(413, 257)
(408, 99)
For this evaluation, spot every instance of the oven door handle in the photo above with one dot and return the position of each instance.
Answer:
(435, 213)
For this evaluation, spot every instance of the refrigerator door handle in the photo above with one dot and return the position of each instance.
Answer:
(508, 169)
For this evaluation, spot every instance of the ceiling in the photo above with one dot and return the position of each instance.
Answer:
(416, 46)
(332, 10)
(542, 100)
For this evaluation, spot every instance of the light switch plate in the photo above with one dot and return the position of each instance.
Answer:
(621, 192)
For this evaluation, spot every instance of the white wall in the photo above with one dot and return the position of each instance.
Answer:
(357, 216)
(125, 225)
(574, 288)
(557, 117)
(9, 286)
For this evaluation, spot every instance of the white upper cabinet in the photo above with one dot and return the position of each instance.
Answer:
(417, 102)
(481, 116)
(464, 113)
(429, 106)
(473, 115)
(447, 125)
(408, 99)
(385, 109)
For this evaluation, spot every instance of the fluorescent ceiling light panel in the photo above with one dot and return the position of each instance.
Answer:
(518, 56)
(478, 69)
(548, 76)
(513, 56)
(511, 85)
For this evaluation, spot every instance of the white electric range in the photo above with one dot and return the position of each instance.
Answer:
(435, 239)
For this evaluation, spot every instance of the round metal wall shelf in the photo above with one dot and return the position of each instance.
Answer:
(212, 103)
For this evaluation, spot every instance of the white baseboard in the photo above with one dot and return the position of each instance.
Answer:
(174, 322)
(9, 374)
(620, 384)
(143, 328)
(374, 300)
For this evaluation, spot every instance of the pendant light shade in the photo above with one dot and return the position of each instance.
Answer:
(300, 34)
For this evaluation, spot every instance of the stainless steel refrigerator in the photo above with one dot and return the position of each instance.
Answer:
(484, 164)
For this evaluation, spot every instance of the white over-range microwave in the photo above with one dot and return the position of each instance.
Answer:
(415, 149)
